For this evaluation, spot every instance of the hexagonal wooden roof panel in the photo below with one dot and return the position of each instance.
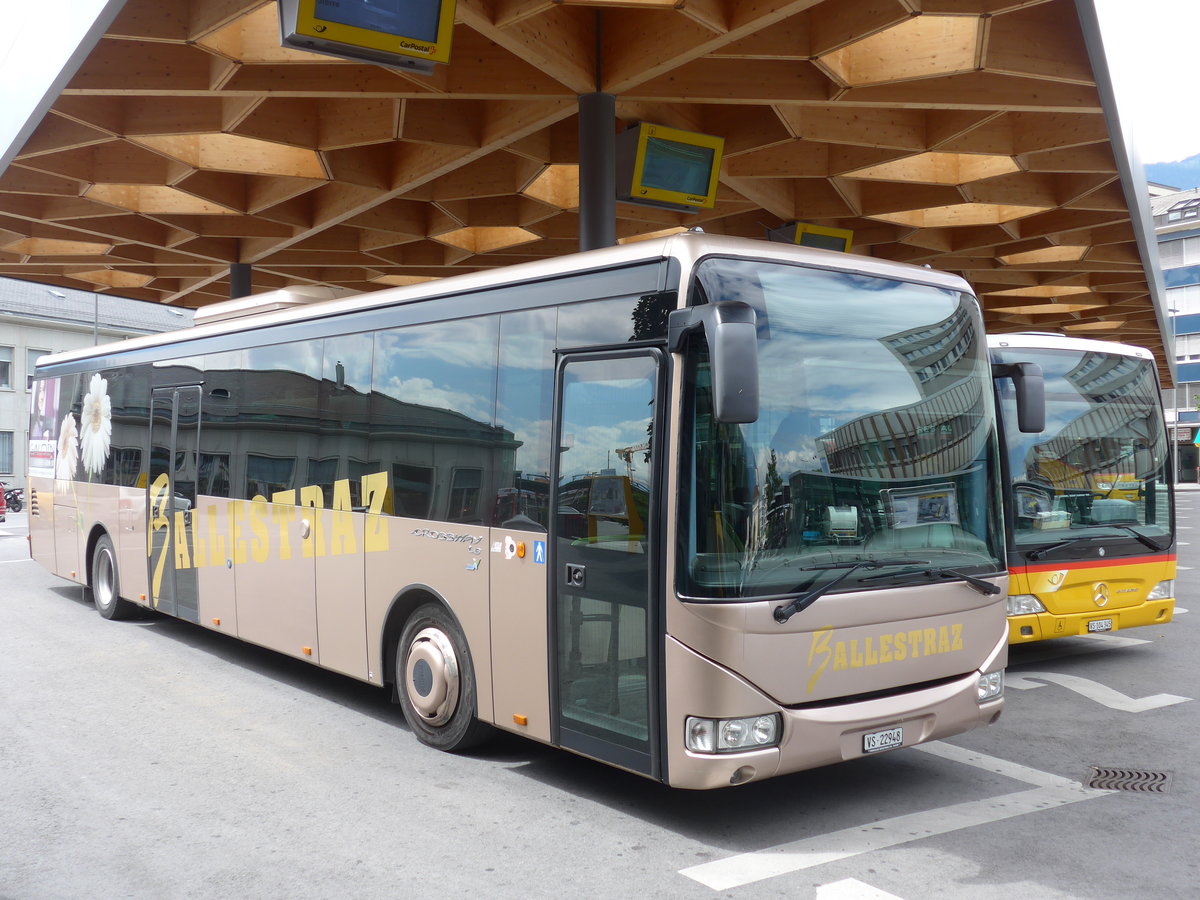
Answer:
(969, 135)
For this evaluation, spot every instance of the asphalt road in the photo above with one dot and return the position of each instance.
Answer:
(154, 759)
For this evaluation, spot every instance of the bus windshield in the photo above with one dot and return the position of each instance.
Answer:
(873, 441)
(1099, 469)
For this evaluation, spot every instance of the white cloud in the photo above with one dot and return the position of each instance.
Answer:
(1149, 48)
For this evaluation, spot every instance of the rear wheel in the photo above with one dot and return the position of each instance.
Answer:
(106, 584)
(436, 681)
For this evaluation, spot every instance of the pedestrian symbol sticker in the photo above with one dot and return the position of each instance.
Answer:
(539, 552)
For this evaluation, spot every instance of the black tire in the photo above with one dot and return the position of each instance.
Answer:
(14, 505)
(106, 583)
(435, 680)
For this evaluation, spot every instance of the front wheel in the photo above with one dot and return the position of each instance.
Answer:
(106, 584)
(14, 504)
(436, 681)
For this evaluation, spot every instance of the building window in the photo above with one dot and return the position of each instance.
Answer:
(1184, 299)
(1184, 209)
(6, 355)
(1187, 347)
(31, 358)
(6, 452)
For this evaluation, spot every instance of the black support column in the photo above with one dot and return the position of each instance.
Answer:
(239, 280)
(597, 171)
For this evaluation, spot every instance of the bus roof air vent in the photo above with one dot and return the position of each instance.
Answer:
(284, 298)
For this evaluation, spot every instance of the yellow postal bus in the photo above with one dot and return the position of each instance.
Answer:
(710, 510)
(1090, 500)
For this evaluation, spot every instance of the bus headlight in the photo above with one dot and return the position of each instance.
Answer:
(990, 686)
(1024, 604)
(731, 735)
(1164, 590)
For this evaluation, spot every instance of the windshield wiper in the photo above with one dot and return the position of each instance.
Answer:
(803, 602)
(1044, 551)
(984, 587)
(1153, 545)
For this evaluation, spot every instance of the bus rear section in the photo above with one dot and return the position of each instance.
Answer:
(1089, 498)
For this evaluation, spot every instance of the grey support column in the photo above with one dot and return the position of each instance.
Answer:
(597, 171)
(239, 280)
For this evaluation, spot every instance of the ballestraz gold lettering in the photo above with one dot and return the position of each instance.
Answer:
(235, 532)
(858, 653)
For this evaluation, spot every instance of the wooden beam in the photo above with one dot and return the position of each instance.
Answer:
(558, 42)
(899, 129)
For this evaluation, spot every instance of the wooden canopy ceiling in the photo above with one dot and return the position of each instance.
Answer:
(966, 134)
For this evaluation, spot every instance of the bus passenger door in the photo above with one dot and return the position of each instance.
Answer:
(604, 616)
(171, 500)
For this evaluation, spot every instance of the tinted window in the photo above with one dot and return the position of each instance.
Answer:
(523, 409)
(432, 413)
(220, 440)
(276, 407)
(345, 405)
(614, 321)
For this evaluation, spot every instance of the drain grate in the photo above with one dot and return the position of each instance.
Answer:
(1129, 780)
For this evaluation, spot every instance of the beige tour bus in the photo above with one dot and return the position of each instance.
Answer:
(707, 509)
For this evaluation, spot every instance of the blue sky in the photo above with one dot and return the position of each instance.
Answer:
(1150, 45)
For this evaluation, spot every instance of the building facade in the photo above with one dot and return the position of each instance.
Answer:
(1177, 228)
(37, 319)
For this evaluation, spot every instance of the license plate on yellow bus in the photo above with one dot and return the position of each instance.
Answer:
(1099, 625)
(883, 740)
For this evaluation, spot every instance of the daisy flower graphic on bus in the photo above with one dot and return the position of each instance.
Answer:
(95, 436)
(87, 441)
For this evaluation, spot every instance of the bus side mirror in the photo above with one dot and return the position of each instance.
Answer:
(1030, 394)
(731, 331)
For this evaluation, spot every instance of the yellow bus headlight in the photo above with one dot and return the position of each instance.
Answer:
(1164, 590)
(1024, 604)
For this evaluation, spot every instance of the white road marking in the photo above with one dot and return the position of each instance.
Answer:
(1093, 690)
(3, 561)
(1179, 610)
(852, 889)
(1044, 650)
(1115, 640)
(1049, 791)
(1180, 568)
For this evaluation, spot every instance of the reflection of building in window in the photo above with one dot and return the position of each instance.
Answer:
(936, 434)
(464, 496)
(1104, 440)
(323, 473)
(412, 488)
(931, 350)
(1101, 377)
(214, 474)
(122, 466)
(266, 475)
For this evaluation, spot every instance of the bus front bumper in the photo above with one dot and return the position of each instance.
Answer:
(820, 736)
(1042, 626)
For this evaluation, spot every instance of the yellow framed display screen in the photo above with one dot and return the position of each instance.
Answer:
(678, 167)
(416, 28)
(824, 237)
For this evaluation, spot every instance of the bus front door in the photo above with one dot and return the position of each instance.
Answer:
(171, 499)
(603, 616)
